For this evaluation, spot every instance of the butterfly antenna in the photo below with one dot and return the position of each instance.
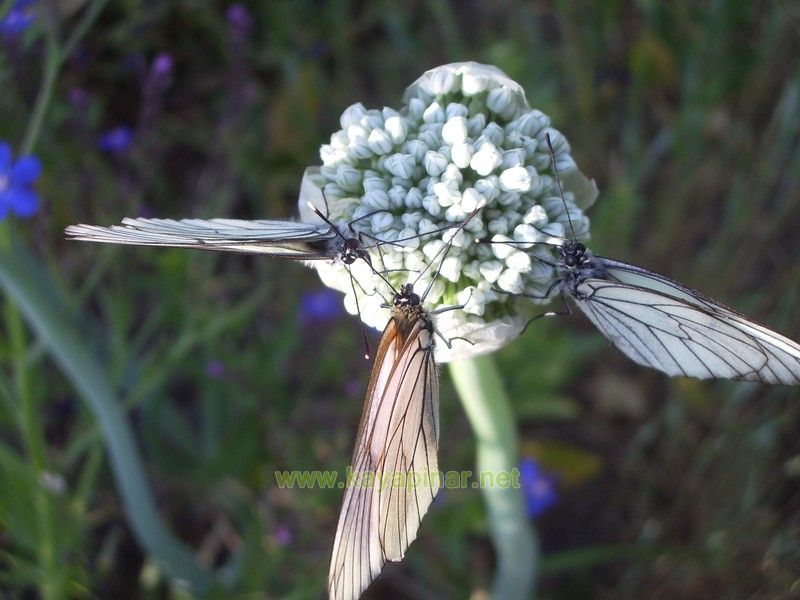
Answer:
(558, 181)
(318, 212)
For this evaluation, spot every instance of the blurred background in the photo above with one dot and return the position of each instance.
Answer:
(231, 367)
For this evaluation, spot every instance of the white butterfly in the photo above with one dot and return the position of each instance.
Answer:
(394, 475)
(660, 323)
(663, 324)
(282, 239)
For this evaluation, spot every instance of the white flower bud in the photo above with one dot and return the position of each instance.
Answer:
(490, 270)
(330, 155)
(396, 128)
(400, 165)
(454, 130)
(515, 179)
(442, 82)
(372, 119)
(352, 115)
(359, 150)
(513, 158)
(486, 159)
(382, 221)
(374, 183)
(475, 125)
(417, 149)
(397, 196)
(455, 213)
(461, 154)
(431, 204)
(500, 249)
(471, 199)
(456, 109)
(413, 199)
(498, 225)
(510, 281)
(503, 102)
(409, 238)
(446, 194)
(434, 163)
(519, 261)
(376, 200)
(451, 268)
(356, 133)
(434, 113)
(452, 176)
(525, 233)
(339, 140)
(411, 220)
(348, 178)
(426, 226)
(379, 141)
(415, 108)
(488, 187)
(493, 133)
(473, 300)
(536, 215)
(432, 248)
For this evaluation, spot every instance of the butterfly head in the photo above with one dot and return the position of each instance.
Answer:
(406, 297)
(574, 254)
(351, 250)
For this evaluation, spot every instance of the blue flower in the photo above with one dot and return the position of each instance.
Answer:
(116, 140)
(538, 487)
(18, 18)
(16, 183)
(320, 306)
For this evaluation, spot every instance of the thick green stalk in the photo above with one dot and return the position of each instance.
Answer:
(488, 409)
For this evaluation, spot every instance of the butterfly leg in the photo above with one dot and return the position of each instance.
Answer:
(449, 341)
(558, 313)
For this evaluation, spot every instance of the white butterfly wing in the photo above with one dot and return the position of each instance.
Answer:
(660, 323)
(398, 437)
(286, 239)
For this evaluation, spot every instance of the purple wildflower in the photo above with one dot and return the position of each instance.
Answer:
(116, 140)
(215, 368)
(538, 487)
(162, 65)
(79, 98)
(16, 183)
(239, 20)
(18, 18)
(320, 306)
(283, 535)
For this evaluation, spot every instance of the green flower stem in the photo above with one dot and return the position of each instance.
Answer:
(32, 435)
(488, 409)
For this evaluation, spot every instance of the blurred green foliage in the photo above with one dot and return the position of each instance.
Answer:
(686, 114)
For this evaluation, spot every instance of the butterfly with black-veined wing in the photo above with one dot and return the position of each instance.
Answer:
(394, 474)
(282, 239)
(663, 324)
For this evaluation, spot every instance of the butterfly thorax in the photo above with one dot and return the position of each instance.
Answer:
(577, 265)
(407, 310)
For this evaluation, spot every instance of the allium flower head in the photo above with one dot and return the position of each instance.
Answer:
(464, 138)
(17, 179)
